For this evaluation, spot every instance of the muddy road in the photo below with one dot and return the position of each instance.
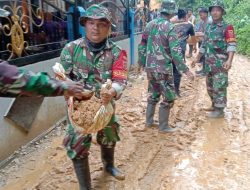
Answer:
(205, 154)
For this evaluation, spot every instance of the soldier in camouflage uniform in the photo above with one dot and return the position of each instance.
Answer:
(159, 48)
(19, 82)
(92, 60)
(219, 46)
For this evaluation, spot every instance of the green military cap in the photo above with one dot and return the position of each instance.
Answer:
(217, 3)
(4, 13)
(169, 7)
(96, 12)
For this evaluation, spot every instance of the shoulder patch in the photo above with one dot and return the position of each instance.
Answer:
(119, 68)
(229, 34)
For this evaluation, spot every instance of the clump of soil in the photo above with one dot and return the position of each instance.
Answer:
(85, 111)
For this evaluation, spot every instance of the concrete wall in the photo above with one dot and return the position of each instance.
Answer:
(11, 136)
(51, 110)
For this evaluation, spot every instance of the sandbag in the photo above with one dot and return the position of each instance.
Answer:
(87, 116)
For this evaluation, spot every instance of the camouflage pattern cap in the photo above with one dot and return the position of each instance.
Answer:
(96, 12)
(169, 7)
(4, 13)
(217, 3)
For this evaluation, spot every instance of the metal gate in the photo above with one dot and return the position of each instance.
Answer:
(34, 31)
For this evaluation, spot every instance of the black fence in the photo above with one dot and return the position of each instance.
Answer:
(31, 29)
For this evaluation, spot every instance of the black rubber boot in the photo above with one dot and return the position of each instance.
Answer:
(81, 167)
(164, 112)
(150, 116)
(108, 162)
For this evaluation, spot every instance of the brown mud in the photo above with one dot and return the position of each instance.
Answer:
(203, 154)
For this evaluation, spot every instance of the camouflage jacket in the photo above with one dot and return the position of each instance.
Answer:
(159, 48)
(219, 39)
(93, 70)
(17, 82)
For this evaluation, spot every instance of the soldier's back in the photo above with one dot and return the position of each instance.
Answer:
(157, 31)
(158, 53)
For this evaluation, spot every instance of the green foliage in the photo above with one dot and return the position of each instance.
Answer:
(238, 15)
(243, 39)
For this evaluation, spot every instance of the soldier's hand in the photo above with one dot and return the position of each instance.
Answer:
(190, 75)
(74, 89)
(107, 95)
(227, 65)
(106, 98)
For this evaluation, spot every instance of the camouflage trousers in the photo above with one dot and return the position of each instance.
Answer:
(160, 84)
(77, 144)
(217, 84)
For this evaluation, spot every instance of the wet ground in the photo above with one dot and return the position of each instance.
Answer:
(207, 154)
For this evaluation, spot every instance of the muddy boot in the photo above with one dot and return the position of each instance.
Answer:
(211, 108)
(150, 116)
(164, 112)
(108, 162)
(216, 113)
(81, 167)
